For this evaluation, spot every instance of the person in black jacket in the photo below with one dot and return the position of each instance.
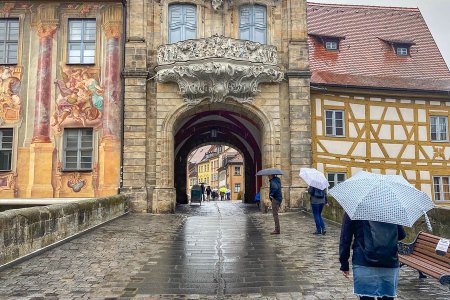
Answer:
(276, 198)
(371, 281)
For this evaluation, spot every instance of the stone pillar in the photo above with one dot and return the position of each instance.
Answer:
(42, 149)
(299, 99)
(135, 104)
(109, 150)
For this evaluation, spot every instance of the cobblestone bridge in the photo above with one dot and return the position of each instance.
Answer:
(214, 251)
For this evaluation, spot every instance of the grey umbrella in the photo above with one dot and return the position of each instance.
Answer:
(270, 171)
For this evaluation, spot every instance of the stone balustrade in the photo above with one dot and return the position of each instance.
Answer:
(25, 230)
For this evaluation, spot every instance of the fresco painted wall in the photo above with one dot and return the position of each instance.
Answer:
(42, 96)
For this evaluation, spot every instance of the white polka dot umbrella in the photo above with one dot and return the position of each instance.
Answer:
(314, 178)
(383, 198)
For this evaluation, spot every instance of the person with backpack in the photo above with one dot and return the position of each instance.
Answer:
(375, 261)
(318, 201)
(276, 198)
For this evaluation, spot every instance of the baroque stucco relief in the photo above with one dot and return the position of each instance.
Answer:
(217, 68)
(80, 99)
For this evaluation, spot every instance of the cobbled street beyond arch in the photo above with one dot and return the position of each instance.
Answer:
(220, 250)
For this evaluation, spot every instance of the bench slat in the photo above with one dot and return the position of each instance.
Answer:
(421, 266)
(444, 261)
(445, 269)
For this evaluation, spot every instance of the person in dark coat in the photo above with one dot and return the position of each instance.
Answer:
(276, 197)
(371, 281)
(318, 201)
(208, 193)
(202, 186)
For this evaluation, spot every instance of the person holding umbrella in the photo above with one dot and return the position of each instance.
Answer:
(376, 206)
(275, 194)
(317, 192)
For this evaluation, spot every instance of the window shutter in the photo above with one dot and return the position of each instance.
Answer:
(244, 22)
(260, 22)
(190, 22)
(175, 23)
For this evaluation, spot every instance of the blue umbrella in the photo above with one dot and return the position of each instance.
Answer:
(383, 198)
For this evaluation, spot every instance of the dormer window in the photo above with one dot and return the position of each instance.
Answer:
(401, 50)
(331, 45)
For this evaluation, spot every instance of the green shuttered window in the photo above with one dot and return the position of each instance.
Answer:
(182, 22)
(253, 23)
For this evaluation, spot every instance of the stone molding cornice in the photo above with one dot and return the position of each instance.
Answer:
(135, 74)
(298, 74)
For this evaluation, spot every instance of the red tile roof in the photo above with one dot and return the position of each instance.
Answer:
(366, 56)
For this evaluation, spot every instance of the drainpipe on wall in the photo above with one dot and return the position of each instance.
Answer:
(122, 82)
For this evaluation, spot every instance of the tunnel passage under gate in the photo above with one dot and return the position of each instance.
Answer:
(218, 127)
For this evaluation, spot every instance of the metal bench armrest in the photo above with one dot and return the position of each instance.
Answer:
(406, 249)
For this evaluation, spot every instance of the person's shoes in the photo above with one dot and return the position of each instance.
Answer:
(316, 233)
(324, 232)
(275, 232)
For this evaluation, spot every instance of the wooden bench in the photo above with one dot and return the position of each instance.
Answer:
(421, 256)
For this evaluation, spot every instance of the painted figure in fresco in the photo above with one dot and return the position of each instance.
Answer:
(9, 94)
(80, 99)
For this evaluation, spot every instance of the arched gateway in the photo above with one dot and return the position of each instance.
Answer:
(243, 85)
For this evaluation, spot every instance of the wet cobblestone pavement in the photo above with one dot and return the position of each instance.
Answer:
(220, 250)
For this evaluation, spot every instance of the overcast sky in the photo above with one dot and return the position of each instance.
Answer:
(435, 12)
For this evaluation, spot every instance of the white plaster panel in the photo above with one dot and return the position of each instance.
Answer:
(375, 150)
(410, 152)
(428, 150)
(375, 99)
(352, 130)
(447, 152)
(391, 114)
(376, 171)
(427, 189)
(390, 100)
(385, 132)
(421, 115)
(333, 103)
(393, 149)
(408, 114)
(391, 172)
(320, 167)
(399, 133)
(425, 175)
(319, 127)
(359, 111)
(423, 133)
(337, 147)
(355, 171)
(438, 103)
(318, 107)
(376, 112)
(410, 174)
(360, 150)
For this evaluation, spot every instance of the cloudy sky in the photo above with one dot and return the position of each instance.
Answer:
(435, 13)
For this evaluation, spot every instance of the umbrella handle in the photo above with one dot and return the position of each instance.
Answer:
(427, 220)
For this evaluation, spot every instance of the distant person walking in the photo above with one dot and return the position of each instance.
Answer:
(208, 193)
(228, 194)
(202, 186)
(276, 197)
(318, 201)
(375, 259)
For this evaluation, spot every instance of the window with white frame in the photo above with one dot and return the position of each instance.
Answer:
(331, 45)
(334, 122)
(335, 178)
(253, 23)
(401, 49)
(6, 146)
(9, 40)
(81, 42)
(237, 187)
(439, 128)
(237, 171)
(78, 149)
(182, 22)
(441, 186)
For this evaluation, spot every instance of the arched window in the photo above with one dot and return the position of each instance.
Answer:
(182, 22)
(253, 23)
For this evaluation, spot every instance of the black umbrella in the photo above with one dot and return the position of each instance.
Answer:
(270, 171)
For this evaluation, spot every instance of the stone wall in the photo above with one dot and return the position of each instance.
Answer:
(439, 218)
(25, 230)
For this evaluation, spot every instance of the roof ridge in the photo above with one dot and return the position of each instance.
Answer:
(337, 5)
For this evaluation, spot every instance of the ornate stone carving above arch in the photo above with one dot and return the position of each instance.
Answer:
(217, 68)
